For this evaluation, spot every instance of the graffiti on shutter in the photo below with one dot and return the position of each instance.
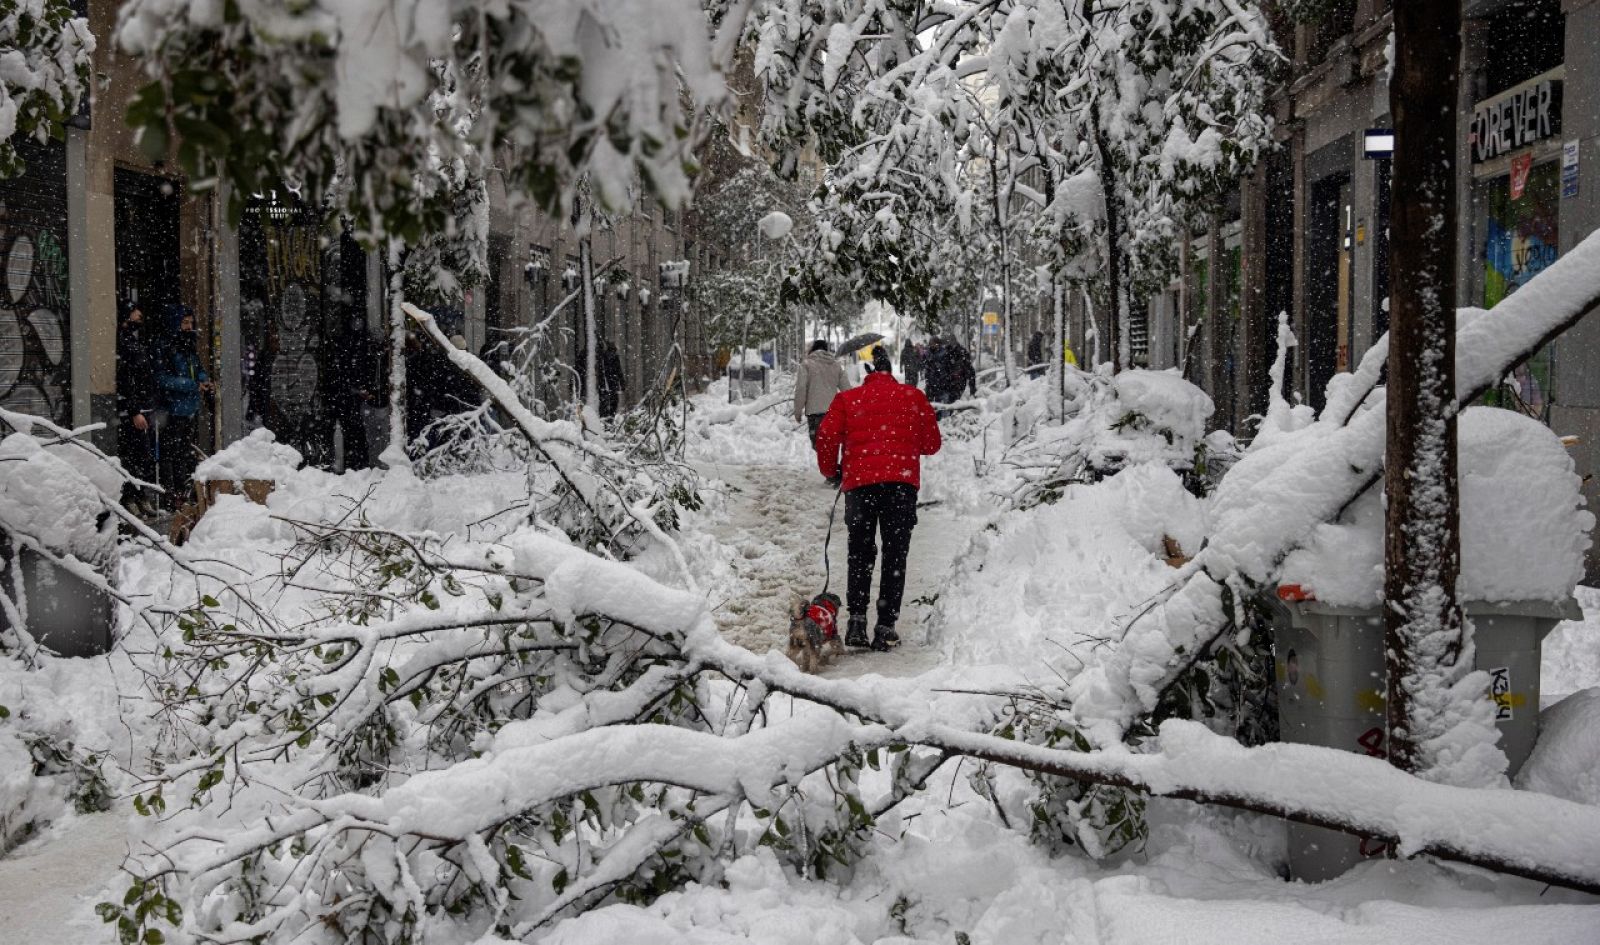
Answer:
(35, 370)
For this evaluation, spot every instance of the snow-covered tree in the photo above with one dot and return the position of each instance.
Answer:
(1162, 102)
(45, 57)
(743, 300)
(352, 101)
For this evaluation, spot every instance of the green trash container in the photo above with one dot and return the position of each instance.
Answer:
(1330, 687)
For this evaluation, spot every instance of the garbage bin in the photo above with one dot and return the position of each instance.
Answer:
(746, 382)
(1331, 683)
(66, 615)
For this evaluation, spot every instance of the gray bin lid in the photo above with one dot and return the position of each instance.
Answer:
(1567, 609)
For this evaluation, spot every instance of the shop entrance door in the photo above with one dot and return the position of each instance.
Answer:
(146, 219)
(1327, 285)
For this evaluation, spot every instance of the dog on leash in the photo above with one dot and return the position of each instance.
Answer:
(814, 631)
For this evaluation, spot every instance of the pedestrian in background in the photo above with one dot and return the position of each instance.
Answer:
(138, 396)
(816, 382)
(184, 384)
(911, 362)
(610, 380)
(1036, 363)
(355, 367)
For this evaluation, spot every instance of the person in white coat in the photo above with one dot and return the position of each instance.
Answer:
(815, 383)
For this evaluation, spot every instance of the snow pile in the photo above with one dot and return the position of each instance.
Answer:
(1171, 405)
(758, 432)
(960, 876)
(1566, 759)
(56, 496)
(50, 710)
(1523, 527)
(1048, 582)
(1571, 653)
(257, 456)
(751, 357)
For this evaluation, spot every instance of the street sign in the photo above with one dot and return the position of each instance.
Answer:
(1569, 169)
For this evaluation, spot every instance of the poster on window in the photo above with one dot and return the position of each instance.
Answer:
(1520, 241)
(1520, 166)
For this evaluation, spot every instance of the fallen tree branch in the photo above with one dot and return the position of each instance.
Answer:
(1325, 467)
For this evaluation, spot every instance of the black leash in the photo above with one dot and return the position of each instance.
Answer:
(827, 565)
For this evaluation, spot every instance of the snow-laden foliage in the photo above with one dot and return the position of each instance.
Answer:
(742, 301)
(1117, 124)
(459, 686)
(59, 515)
(45, 57)
(438, 268)
(765, 224)
(1292, 482)
(613, 490)
(477, 736)
(352, 101)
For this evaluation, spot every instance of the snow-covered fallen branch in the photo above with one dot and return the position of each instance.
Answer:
(1272, 499)
(523, 729)
(760, 405)
(596, 476)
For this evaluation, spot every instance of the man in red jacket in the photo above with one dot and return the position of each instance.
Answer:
(883, 429)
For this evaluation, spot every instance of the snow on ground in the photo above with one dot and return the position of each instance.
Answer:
(1571, 656)
(943, 867)
(768, 521)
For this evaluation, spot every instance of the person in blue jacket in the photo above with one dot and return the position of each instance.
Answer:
(183, 382)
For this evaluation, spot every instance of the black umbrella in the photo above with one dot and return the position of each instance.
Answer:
(852, 345)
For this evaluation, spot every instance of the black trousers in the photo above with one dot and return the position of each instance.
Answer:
(178, 459)
(813, 421)
(347, 414)
(137, 449)
(889, 508)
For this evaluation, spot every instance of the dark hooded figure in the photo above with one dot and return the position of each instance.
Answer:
(1036, 365)
(184, 384)
(611, 380)
(356, 363)
(138, 396)
(911, 362)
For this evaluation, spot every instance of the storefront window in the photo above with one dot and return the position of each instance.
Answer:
(1519, 242)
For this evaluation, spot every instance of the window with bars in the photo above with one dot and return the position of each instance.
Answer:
(1139, 336)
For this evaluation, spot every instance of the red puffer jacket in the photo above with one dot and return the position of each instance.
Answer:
(884, 427)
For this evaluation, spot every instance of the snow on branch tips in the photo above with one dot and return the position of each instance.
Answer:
(344, 98)
(492, 735)
(1271, 502)
(45, 58)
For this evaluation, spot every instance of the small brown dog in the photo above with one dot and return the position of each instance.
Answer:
(813, 632)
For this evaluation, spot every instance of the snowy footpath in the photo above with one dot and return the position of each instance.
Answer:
(987, 592)
(774, 525)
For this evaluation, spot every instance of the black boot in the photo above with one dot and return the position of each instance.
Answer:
(884, 638)
(856, 635)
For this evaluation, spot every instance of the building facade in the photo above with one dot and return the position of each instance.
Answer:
(1307, 234)
(95, 225)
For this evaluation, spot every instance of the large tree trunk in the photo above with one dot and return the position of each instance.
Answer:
(1426, 644)
(395, 454)
(1116, 257)
(591, 336)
